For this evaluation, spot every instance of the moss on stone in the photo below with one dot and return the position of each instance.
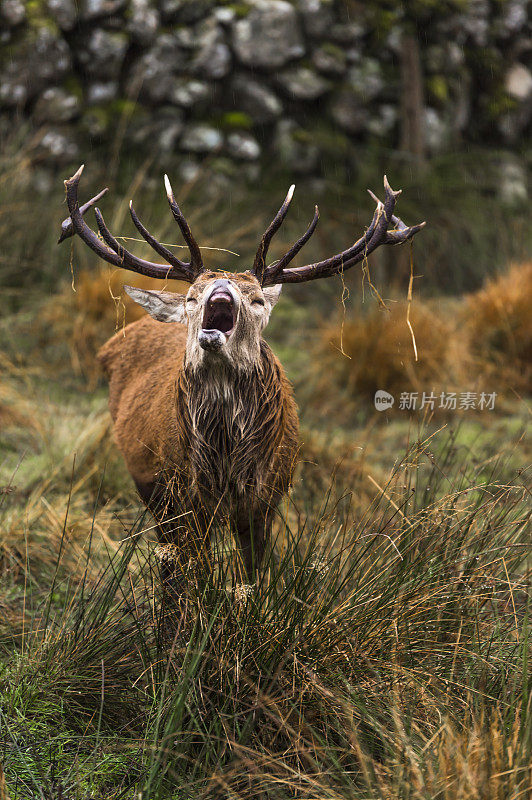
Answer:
(241, 10)
(333, 50)
(438, 88)
(236, 120)
(38, 16)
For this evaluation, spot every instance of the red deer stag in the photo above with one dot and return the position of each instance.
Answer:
(203, 412)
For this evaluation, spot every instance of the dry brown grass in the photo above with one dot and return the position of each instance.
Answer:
(477, 757)
(483, 340)
(85, 314)
(376, 351)
(498, 320)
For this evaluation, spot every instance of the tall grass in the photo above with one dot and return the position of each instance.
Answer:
(383, 653)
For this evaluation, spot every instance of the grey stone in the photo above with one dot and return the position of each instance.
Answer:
(293, 149)
(51, 56)
(189, 170)
(12, 12)
(56, 105)
(190, 93)
(365, 79)
(255, 100)
(330, 60)
(162, 132)
(185, 12)
(437, 131)
(394, 40)
(514, 18)
(512, 183)
(213, 59)
(152, 77)
(200, 138)
(317, 17)
(93, 9)
(42, 60)
(446, 57)
(13, 90)
(225, 16)
(243, 146)
(103, 54)
(169, 8)
(301, 83)
(251, 171)
(98, 93)
(514, 122)
(57, 146)
(518, 82)
(349, 112)
(42, 181)
(192, 11)
(186, 38)
(64, 12)
(383, 122)
(475, 21)
(353, 55)
(269, 36)
(144, 22)
(347, 33)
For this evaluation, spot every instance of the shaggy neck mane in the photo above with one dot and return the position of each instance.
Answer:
(234, 423)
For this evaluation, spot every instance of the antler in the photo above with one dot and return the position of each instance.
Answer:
(376, 234)
(115, 253)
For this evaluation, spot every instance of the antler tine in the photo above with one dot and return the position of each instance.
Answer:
(136, 264)
(114, 253)
(196, 261)
(336, 261)
(259, 264)
(67, 227)
(401, 232)
(376, 234)
(272, 272)
(159, 248)
(80, 226)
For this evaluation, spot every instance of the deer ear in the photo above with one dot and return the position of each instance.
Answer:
(272, 293)
(162, 306)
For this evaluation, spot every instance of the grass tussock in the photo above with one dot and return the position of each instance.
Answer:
(376, 351)
(87, 312)
(481, 340)
(383, 654)
(499, 324)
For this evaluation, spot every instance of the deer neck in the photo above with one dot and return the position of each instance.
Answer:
(234, 420)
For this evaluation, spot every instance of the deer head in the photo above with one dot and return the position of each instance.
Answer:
(226, 312)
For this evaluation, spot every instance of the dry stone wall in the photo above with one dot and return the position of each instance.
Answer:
(253, 81)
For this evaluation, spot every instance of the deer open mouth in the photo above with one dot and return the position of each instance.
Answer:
(219, 313)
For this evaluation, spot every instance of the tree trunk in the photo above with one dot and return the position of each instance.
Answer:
(412, 100)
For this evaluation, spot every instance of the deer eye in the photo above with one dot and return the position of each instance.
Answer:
(258, 301)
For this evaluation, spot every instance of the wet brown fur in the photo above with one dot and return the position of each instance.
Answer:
(203, 446)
